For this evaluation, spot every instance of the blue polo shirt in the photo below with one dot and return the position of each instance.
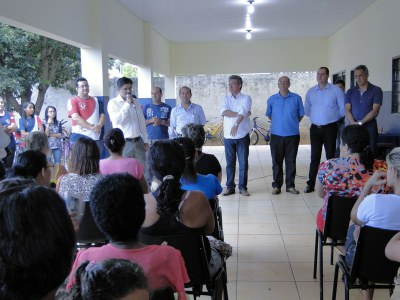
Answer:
(361, 104)
(285, 113)
(161, 111)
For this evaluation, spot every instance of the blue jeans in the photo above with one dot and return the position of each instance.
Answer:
(237, 148)
(56, 155)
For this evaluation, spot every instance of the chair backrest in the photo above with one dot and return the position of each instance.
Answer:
(370, 262)
(338, 217)
(193, 250)
(88, 231)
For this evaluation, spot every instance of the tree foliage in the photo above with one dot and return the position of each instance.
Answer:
(125, 69)
(29, 60)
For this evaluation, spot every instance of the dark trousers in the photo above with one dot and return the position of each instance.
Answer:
(239, 148)
(284, 147)
(321, 136)
(372, 128)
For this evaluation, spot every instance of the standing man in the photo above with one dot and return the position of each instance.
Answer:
(186, 112)
(236, 109)
(285, 110)
(156, 116)
(324, 106)
(87, 114)
(363, 103)
(126, 114)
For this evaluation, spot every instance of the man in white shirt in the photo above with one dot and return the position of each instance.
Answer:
(236, 111)
(186, 112)
(126, 114)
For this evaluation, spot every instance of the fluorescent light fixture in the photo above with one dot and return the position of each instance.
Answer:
(248, 34)
(250, 8)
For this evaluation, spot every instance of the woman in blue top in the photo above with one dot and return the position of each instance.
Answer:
(191, 181)
(29, 121)
(8, 123)
(53, 130)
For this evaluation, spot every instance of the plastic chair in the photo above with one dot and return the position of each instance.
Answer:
(89, 235)
(217, 211)
(336, 225)
(194, 252)
(370, 268)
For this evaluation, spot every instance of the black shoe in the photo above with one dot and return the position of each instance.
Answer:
(309, 189)
(228, 192)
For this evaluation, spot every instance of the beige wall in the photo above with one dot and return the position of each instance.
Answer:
(249, 56)
(372, 38)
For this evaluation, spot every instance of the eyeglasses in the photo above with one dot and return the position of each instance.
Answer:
(82, 86)
(51, 111)
(283, 82)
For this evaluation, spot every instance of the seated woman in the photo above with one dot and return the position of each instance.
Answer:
(110, 279)
(38, 140)
(376, 210)
(191, 181)
(118, 209)
(32, 165)
(116, 163)
(84, 169)
(393, 253)
(170, 210)
(345, 176)
(205, 163)
(37, 240)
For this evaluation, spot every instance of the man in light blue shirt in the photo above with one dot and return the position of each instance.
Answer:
(285, 110)
(186, 112)
(324, 106)
(236, 109)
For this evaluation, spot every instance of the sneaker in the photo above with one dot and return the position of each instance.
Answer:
(276, 191)
(244, 192)
(309, 189)
(292, 190)
(228, 192)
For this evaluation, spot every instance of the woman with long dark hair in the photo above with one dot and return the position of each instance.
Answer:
(29, 121)
(53, 130)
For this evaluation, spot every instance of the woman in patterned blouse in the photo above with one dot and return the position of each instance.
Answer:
(345, 176)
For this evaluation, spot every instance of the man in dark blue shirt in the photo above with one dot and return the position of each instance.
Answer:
(363, 103)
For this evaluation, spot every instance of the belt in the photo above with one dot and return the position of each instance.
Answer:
(326, 125)
(136, 139)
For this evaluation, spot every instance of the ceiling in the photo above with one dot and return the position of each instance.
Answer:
(224, 20)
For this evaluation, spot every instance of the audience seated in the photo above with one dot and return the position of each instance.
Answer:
(393, 253)
(84, 169)
(376, 210)
(118, 209)
(345, 176)
(169, 209)
(110, 279)
(37, 240)
(38, 140)
(32, 164)
(191, 181)
(205, 163)
(116, 163)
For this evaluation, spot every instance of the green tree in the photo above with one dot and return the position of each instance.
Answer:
(125, 69)
(28, 60)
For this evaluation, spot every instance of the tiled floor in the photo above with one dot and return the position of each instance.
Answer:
(273, 236)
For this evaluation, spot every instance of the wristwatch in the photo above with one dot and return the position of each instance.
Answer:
(359, 123)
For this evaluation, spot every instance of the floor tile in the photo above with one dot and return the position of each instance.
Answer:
(264, 272)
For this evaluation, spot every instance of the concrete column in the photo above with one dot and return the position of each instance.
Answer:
(95, 70)
(145, 82)
(170, 90)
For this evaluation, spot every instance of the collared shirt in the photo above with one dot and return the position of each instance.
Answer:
(162, 111)
(181, 116)
(362, 103)
(324, 106)
(241, 105)
(127, 117)
(285, 113)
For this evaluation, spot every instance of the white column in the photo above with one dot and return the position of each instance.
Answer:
(169, 87)
(95, 70)
(145, 82)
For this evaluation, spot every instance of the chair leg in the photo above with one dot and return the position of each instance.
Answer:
(321, 270)
(315, 254)
(335, 280)
(332, 247)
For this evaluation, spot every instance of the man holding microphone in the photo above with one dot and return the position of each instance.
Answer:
(126, 114)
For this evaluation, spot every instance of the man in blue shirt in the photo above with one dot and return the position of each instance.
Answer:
(285, 110)
(186, 112)
(156, 115)
(363, 103)
(324, 106)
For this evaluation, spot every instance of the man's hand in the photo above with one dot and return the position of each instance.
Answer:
(97, 128)
(234, 129)
(156, 121)
(146, 146)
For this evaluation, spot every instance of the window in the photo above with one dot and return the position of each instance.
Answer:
(339, 75)
(396, 85)
(352, 79)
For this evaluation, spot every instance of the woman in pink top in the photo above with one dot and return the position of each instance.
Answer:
(116, 163)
